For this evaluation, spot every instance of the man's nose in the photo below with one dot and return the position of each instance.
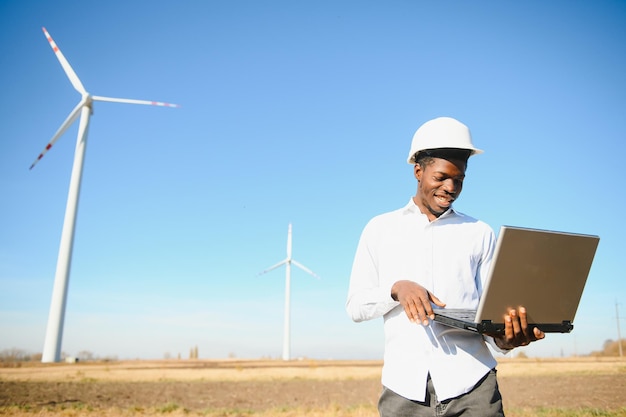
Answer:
(449, 186)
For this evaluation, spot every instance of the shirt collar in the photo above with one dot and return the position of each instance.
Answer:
(411, 208)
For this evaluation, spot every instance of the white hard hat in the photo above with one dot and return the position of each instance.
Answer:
(442, 132)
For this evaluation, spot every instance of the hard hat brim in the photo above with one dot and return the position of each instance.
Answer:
(473, 151)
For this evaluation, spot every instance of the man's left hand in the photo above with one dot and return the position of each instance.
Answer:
(516, 331)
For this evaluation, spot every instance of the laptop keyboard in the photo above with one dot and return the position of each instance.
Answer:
(459, 313)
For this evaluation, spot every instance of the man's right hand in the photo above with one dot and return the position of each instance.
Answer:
(416, 301)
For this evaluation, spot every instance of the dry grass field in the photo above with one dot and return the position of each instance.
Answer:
(212, 388)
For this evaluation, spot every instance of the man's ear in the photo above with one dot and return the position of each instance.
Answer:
(417, 170)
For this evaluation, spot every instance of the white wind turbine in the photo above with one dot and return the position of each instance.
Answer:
(287, 262)
(54, 331)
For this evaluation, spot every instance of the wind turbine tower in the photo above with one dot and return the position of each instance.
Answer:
(84, 108)
(287, 262)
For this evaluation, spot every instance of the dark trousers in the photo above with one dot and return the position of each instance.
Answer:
(484, 400)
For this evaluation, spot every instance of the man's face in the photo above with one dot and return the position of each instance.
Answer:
(439, 184)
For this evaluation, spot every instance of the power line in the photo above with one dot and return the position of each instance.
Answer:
(619, 336)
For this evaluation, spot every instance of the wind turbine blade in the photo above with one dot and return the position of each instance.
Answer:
(66, 124)
(66, 65)
(271, 268)
(289, 240)
(304, 268)
(132, 101)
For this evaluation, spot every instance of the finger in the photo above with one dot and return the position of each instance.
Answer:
(424, 310)
(508, 328)
(524, 324)
(428, 308)
(517, 331)
(520, 328)
(417, 310)
(436, 300)
(410, 310)
(538, 333)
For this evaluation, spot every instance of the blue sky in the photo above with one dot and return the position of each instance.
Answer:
(292, 112)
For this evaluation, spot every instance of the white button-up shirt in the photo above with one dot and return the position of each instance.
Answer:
(450, 257)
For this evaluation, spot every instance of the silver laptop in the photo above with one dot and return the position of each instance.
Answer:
(544, 271)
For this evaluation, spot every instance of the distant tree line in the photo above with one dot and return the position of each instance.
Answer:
(18, 355)
(15, 355)
(611, 348)
(10, 357)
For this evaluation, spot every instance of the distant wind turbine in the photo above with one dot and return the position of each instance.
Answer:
(54, 332)
(287, 262)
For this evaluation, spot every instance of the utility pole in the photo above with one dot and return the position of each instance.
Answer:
(619, 336)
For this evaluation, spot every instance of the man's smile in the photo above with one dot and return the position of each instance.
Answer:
(444, 200)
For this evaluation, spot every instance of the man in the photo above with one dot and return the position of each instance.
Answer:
(427, 255)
